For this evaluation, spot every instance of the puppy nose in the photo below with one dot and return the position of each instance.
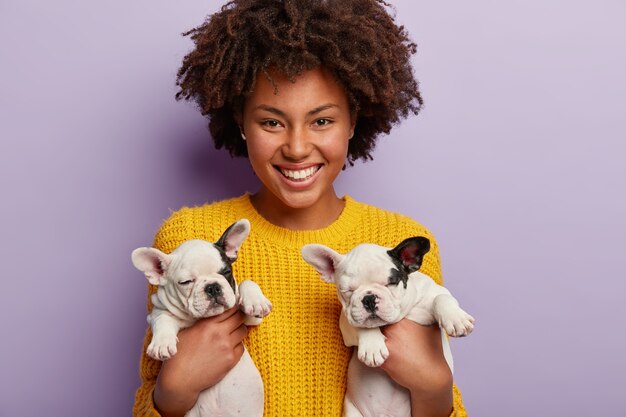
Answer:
(213, 290)
(369, 302)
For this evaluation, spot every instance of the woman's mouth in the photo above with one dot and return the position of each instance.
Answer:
(299, 175)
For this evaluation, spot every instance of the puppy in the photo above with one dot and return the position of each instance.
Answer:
(196, 281)
(379, 286)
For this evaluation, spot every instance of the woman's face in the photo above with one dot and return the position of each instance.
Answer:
(297, 137)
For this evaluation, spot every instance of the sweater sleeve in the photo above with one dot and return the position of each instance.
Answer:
(148, 370)
(457, 403)
(171, 234)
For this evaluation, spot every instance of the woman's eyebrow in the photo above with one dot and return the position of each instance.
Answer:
(270, 109)
(321, 108)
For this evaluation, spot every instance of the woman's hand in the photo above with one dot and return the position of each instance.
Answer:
(206, 352)
(416, 362)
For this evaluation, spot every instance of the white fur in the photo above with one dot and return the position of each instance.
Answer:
(181, 299)
(365, 271)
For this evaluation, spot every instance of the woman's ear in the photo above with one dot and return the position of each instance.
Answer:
(238, 117)
(352, 124)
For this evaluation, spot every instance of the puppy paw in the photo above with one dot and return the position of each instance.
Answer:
(255, 305)
(456, 322)
(162, 347)
(373, 352)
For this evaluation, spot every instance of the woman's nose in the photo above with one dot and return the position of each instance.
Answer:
(297, 145)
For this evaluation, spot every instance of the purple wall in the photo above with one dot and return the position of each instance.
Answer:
(516, 164)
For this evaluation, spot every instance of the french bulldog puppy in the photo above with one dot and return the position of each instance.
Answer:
(378, 286)
(196, 281)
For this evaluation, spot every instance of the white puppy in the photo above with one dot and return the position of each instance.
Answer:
(379, 286)
(196, 281)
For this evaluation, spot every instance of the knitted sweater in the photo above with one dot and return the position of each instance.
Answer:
(298, 348)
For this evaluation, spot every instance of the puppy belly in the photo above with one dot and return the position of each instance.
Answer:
(238, 394)
(374, 394)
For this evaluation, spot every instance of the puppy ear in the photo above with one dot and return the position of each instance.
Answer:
(151, 262)
(323, 259)
(233, 238)
(410, 252)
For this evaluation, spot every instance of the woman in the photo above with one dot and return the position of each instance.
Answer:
(300, 88)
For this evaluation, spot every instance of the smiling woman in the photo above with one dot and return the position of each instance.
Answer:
(302, 88)
(297, 144)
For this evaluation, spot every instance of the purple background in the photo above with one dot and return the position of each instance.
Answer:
(516, 164)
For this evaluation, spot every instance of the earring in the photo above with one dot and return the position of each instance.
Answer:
(243, 136)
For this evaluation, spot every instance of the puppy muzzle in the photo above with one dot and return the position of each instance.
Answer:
(372, 309)
(212, 298)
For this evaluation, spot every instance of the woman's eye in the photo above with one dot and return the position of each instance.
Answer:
(323, 122)
(187, 282)
(271, 123)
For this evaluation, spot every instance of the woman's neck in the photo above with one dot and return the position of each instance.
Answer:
(321, 214)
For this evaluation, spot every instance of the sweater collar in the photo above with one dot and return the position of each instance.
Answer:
(334, 233)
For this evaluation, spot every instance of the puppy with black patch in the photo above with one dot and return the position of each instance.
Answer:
(378, 286)
(196, 281)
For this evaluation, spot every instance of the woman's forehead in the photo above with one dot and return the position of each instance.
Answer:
(311, 87)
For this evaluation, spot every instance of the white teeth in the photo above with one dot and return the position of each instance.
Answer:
(302, 174)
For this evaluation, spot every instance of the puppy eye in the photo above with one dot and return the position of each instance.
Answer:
(395, 277)
(186, 282)
(225, 272)
(347, 293)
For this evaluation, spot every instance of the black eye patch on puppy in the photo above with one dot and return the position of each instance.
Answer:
(226, 270)
(397, 274)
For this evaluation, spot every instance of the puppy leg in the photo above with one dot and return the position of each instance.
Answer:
(372, 349)
(165, 327)
(452, 318)
(253, 302)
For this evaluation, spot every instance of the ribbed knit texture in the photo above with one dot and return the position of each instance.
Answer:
(298, 348)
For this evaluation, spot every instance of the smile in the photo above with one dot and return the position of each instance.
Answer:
(299, 175)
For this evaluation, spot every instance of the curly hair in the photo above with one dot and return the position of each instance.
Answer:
(357, 40)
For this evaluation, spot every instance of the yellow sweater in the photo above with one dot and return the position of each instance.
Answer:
(298, 348)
